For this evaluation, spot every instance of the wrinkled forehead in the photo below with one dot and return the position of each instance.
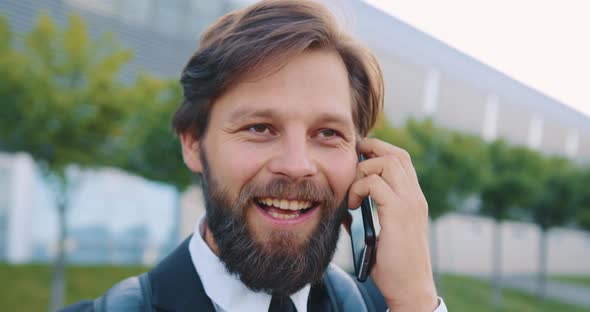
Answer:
(312, 83)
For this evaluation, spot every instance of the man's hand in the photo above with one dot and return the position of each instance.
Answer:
(402, 269)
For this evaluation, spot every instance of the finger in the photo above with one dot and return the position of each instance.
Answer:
(377, 148)
(390, 169)
(388, 203)
(372, 185)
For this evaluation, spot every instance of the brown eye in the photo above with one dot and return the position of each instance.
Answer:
(328, 133)
(260, 129)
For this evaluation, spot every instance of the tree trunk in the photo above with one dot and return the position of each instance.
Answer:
(497, 265)
(58, 280)
(434, 258)
(542, 278)
(434, 251)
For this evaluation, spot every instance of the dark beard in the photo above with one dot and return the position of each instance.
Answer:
(283, 264)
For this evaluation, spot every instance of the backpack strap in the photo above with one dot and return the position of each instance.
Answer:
(100, 304)
(132, 294)
(344, 293)
(146, 291)
(372, 295)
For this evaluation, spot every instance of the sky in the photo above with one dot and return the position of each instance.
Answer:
(543, 44)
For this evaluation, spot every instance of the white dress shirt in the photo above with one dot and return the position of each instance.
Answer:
(227, 292)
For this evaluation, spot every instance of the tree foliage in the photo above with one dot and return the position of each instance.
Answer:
(65, 103)
(582, 197)
(447, 162)
(152, 150)
(512, 183)
(554, 203)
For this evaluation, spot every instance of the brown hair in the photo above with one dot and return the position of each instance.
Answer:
(260, 39)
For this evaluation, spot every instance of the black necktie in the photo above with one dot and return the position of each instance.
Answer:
(281, 304)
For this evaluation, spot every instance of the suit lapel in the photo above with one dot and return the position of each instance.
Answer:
(318, 299)
(176, 286)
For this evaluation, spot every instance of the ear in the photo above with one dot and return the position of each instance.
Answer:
(191, 152)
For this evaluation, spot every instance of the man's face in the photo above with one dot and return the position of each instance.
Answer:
(279, 156)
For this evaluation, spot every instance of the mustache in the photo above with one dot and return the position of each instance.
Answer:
(304, 190)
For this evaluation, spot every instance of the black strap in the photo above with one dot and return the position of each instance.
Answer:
(344, 294)
(371, 294)
(132, 294)
(369, 302)
(281, 304)
(146, 291)
(100, 304)
(331, 291)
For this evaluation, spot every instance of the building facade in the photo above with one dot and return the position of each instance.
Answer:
(17, 193)
(423, 78)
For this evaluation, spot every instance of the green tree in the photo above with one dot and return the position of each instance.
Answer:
(552, 205)
(448, 170)
(153, 151)
(12, 89)
(65, 106)
(509, 187)
(447, 164)
(583, 198)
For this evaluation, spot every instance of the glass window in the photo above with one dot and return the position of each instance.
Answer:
(201, 14)
(4, 206)
(169, 15)
(103, 7)
(206, 8)
(135, 11)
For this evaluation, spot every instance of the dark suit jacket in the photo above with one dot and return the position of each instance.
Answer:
(174, 285)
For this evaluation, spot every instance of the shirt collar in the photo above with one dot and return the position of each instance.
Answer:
(226, 290)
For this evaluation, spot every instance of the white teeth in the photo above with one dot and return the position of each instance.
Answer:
(300, 203)
(283, 216)
(293, 205)
(284, 204)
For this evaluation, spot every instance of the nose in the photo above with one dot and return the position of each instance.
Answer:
(293, 159)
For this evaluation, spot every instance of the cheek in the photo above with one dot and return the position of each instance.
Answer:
(235, 164)
(340, 169)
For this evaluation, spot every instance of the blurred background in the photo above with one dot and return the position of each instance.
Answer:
(93, 188)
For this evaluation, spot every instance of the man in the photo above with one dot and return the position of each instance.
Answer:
(277, 105)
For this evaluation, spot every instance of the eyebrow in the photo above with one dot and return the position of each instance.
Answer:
(246, 114)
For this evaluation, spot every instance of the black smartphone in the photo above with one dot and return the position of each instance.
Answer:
(363, 237)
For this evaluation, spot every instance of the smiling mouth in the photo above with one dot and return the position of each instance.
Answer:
(284, 209)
